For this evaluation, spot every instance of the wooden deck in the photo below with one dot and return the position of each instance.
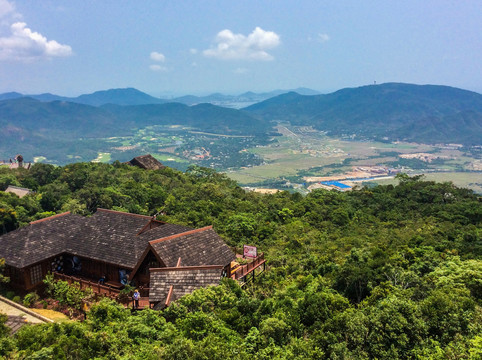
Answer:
(109, 289)
(248, 272)
(101, 289)
(244, 274)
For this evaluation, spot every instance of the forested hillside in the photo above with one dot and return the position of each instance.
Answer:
(390, 272)
(58, 128)
(427, 114)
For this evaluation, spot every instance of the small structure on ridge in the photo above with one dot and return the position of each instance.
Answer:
(147, 162)
(19, 191)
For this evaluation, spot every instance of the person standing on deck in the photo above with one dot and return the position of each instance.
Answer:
(136, 298)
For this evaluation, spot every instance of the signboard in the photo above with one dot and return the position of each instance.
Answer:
(250, 251)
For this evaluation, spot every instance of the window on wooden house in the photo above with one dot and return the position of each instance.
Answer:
(36, 274)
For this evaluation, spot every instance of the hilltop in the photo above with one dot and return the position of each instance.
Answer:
(393, 111)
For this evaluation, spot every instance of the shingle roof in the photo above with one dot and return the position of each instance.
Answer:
(184, 280)
(148, 162)
(40, 240)
(19, 191)
(195, 248)
(113, 237)
(109, 236)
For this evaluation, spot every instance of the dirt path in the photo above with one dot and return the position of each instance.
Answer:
(6, 307)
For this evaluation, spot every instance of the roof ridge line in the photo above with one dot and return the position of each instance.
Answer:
(181, 268)
(49, 218)
(189, 232)
(145, 227)
(18, 187)
(123, 213)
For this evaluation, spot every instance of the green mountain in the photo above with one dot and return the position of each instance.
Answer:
(421, 113)
(203, 117)
(73, 119)
(59, 129)
(237, 101)
(128, 96)
(53, 118)
(29, 124)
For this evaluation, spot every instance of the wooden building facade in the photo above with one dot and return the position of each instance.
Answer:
(113, 246)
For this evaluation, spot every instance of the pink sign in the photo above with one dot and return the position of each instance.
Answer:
(250, 251)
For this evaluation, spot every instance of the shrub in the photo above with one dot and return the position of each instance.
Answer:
(65, 294)
(17, 299)
(30, 299)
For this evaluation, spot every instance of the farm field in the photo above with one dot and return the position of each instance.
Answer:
(302, 152)
(471, 180)
(285, 161)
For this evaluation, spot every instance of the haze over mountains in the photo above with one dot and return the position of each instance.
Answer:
(428, 114)
(32, 121)
(131, 96)
(239, 101)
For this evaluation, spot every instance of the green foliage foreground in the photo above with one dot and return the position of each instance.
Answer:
(392, 272)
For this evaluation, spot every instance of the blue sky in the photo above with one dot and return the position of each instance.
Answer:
(169, 48)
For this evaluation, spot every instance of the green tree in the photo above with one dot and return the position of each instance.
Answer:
(8, 220)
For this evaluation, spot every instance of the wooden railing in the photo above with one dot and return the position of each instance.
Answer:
(244, 270)
(144, 291)
(102, 289)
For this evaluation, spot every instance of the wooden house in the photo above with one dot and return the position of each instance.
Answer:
(166, 260)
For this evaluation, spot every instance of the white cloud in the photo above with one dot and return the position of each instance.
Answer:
(232, 46)
(193, 51)
(156, 56)
(323, 37)
(26, 45)
(6, 8)
(158, 68)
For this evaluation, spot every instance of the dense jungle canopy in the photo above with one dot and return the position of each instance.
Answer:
(389, 272)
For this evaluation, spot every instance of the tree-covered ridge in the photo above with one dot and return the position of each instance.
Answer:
(59, 128)
(387, 272)
(428, 114)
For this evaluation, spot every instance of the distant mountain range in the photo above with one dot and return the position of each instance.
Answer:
(421, 113)
(426, 114)
(131, 96)
(239, 101)
(127, 96)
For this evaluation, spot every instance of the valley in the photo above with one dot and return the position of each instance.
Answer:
(301, 155)
(295, 142)
(299, 158)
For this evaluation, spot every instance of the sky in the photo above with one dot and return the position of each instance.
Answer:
(172, 48)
